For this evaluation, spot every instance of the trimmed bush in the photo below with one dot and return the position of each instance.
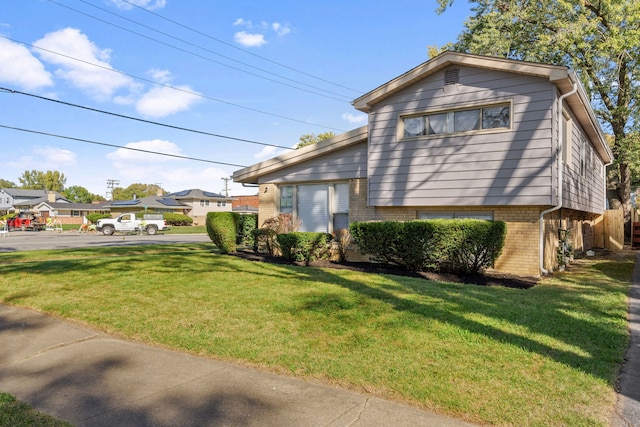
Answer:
(222, 228)
(176, 219)
(94, 217)
(457, 245)
(265, 237)
(304, 246)
(378, 239)
(246, 225)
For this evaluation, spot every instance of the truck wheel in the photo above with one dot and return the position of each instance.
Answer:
(152, 230)
(23, 228)
(108, 230)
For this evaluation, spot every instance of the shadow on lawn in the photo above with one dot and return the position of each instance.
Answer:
(573, 316)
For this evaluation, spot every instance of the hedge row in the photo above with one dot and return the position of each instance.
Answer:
(458, 245)
(304, 246)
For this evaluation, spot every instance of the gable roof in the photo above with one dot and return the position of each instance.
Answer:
(195, 193)
(561, 76)
(251, 174)
(151, 202)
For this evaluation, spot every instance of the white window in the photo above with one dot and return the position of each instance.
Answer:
(456, 121)
(286, 199)
(318, 207)
(204, 203)
(222, 203)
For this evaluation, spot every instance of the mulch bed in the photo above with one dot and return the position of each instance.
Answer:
(488, 278)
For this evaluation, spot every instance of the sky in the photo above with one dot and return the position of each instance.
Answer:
(94, 88)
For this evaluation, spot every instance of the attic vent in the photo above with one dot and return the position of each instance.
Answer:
(452, 76)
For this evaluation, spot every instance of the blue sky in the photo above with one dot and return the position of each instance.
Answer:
(263, 71)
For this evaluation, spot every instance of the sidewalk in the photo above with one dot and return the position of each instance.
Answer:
(91, 379)
(628, 411)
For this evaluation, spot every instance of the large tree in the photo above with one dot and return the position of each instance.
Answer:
(599, 39)
(79, 194)
(38, 180)
(4, 183)
(312, 138)
(137, 190)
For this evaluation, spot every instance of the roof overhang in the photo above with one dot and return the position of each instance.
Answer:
(252, 174)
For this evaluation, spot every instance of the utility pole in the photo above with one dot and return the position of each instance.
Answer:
(226, 186)
(111, 184)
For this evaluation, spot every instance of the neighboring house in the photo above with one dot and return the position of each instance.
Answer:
(156, 204)
(66, 211)
(202, 202)
(16, 199)
(245, 204)
(459, 136)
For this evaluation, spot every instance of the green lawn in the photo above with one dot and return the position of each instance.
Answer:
(544, 356)
(14, 413)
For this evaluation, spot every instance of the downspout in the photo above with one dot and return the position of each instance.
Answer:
(559, 152)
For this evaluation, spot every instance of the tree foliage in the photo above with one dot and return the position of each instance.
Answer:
(138, 191)
(38, 180)
(79, 194)
(600, 40)
(4, 183)
(311, 138)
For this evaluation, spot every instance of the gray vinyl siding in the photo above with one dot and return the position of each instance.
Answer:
(348, 163)
(583, 193)
(507, 167)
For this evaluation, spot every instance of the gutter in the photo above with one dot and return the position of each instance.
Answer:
(559, 152)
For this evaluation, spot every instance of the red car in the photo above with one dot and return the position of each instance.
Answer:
(26, 221)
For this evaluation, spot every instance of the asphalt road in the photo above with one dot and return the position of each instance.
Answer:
(34, 240)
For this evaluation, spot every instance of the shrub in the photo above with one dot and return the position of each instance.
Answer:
(304, 246)
(94, 217)
(222, 228)
(377, 239)
(265, 237)
(176, 219)
(461, 246)
(246, 225)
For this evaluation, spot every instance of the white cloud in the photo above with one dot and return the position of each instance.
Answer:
(77, 53)
(163, 101)
(242, 22)
(355, 118)
(18, 66)
(268, 152)
(45, 158)
(280, 29)
(124, 158)
(249, 40)
(147, 4)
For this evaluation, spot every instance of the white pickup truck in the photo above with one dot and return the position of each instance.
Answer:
(128, 223)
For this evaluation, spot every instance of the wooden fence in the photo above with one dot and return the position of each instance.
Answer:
(609, 230)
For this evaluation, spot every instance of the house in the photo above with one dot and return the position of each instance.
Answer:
(156, 204)
(202, 202)
(66, 211)
(459, 136)
(15, 199)
(245, 204)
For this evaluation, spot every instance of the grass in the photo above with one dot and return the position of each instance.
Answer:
(14, 413)
(544, 356)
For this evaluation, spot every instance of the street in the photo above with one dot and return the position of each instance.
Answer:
(33, 240)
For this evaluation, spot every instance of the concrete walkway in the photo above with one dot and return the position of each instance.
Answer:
(628, 412)
(91, 379)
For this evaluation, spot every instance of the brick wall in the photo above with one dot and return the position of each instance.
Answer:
(252, 201)
(267, 203)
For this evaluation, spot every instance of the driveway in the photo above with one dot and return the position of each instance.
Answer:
(33, 240)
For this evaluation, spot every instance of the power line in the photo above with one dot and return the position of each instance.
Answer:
(345, 98)
(238, 48)
(12, 91)
(119, 146)
(171, 87)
